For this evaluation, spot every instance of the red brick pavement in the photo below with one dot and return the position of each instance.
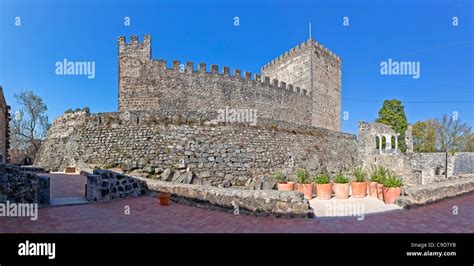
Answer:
(146, 215)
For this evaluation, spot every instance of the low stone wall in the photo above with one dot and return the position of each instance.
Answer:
(108, 185)
(421, 195)
(19, 186)
(254, 202)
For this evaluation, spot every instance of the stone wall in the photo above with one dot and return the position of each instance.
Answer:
(316, 69)
(254, 202)
(414, 168)
(429, 193)
(439, 166)
(18, 186)
(219, 155)
(146, 84)
(108, 185)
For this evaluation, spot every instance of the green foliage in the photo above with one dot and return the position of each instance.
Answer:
(70, 111)
(424, 136)
(378, 174)
(392, 113)
(341, 179)
(302, 176)
(279, 177)
(392, 180)
(322, 179)
(359, 174)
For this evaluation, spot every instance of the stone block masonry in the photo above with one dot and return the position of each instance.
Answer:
(147, 85)
(235, 200)
(108, 185)
(18, 186)
(315, 68)
(217, 155)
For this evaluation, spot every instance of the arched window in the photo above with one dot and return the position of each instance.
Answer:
(384, 142)
(392, 140)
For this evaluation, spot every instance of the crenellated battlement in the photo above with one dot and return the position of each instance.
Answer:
(146, 84)
(302, 47)
(189, 68)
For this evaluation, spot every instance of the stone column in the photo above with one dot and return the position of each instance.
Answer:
(396, 141)
(388, 142)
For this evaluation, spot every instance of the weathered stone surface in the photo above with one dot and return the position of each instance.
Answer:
(310, 60)
(263, 182)
(147, 84)
(239, 152)
(279, 203)
(19, 186)
(421, 195)
(108, 185)
(167, 175)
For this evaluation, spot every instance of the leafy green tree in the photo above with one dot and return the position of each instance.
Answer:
(392, 113)
(424, 136)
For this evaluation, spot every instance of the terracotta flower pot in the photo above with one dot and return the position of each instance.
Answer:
(341, 191)
(380, 191)
(308, 190)
(164, 198)
(359, 189)
(299, 187)
(324, 191)
(373, 189)
(391, 194)
(289, 186)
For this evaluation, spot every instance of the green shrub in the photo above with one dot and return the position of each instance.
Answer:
(378, 174)
(392, 180)
(279, 177)
(322, 179)
(341, 179)
(359, 174)
(302, 176)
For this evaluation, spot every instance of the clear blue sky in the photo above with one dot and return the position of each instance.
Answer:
(204, 32)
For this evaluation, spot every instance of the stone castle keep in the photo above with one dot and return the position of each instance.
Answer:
(166, 126)
(302, 86)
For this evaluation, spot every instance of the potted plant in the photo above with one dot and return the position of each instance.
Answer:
(164, 198)
(323, 187)
(304, 183)
(341, 186)
(392, 188)
(376, 181)
(359, 185)
(282, 184)
(373, 182)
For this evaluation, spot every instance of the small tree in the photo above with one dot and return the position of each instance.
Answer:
(450, 134)
(30, 126)
(392, 113)
(424, 136)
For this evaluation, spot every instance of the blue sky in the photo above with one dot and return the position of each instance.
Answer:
(204, 31)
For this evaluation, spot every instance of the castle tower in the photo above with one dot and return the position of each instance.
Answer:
(316, 69)
(134, 57)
